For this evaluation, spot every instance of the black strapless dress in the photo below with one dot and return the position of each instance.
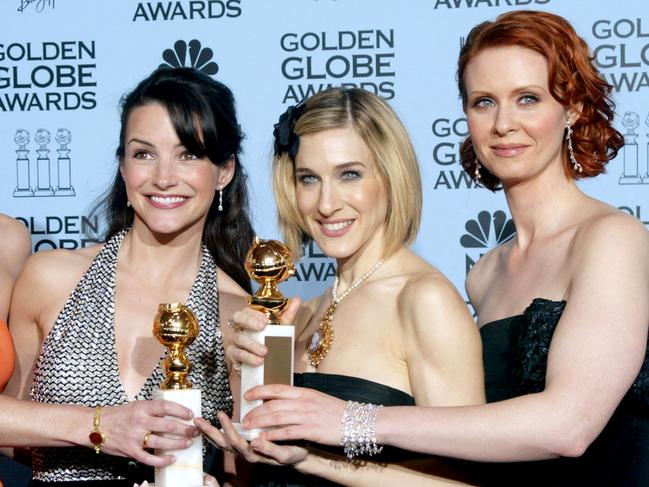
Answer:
(515, 352)
(349, 389)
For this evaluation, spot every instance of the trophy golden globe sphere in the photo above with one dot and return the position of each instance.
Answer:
(176, 327)
(269, 262)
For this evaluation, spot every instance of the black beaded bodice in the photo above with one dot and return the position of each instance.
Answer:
(515, 352)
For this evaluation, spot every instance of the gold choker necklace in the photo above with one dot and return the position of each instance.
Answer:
(324, 335)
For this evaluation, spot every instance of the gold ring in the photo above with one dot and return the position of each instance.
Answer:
(145, 439)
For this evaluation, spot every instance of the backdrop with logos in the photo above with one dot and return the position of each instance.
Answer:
(64, 65)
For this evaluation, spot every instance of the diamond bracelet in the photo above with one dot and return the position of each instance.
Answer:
(358, 435)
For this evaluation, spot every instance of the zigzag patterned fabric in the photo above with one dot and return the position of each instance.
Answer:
(78, 364)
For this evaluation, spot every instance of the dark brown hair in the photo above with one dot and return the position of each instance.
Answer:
(203, 114)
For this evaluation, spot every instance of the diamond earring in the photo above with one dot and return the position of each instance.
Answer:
(571, 153)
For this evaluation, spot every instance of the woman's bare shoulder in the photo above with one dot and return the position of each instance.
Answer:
(432, 311)
(428, 288)
(16, 245)
(14, 234)
(48, 278)
(59, 266)
(609, 229)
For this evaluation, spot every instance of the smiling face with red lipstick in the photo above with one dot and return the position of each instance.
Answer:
(516, 125)
(169, 188)
(340, 193)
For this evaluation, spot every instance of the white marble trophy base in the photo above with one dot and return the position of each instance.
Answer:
(187, 470)
(276, 369)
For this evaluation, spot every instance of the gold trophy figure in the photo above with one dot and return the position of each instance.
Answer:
(176, 327)
(268, 262)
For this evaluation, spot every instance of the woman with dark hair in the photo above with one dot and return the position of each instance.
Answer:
(178, 229)
(563, 306)
(203, 116)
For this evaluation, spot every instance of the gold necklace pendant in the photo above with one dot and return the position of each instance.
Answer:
(322, 338)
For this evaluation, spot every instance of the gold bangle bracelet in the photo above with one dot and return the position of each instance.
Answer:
(97, 438)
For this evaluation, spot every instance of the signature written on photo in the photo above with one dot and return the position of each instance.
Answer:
(39, 5)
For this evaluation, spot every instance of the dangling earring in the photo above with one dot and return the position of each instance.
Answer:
(220, 199)
(476, 173)
(571, 153)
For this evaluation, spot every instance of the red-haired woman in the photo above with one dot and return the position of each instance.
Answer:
(563, 306)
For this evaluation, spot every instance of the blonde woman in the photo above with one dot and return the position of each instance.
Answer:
(392, 330)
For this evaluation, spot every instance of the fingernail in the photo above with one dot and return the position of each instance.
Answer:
(245, 423)
(188, 443)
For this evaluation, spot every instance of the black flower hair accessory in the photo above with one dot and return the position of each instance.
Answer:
(285, 139)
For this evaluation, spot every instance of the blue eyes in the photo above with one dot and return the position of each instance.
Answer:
(528, 99)
(307, 179)
(485, 102)
(346, 175)
(349, 175)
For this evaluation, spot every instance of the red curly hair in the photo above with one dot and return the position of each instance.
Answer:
(573, 81)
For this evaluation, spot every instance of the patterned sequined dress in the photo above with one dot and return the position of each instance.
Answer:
(78, 365)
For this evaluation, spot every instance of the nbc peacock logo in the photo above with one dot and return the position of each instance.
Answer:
(190, 55)
(486, 231)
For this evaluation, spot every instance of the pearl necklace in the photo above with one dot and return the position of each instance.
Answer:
(324, 335)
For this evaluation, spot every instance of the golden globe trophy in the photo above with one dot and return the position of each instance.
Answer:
(176, 327)
(268, 262)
